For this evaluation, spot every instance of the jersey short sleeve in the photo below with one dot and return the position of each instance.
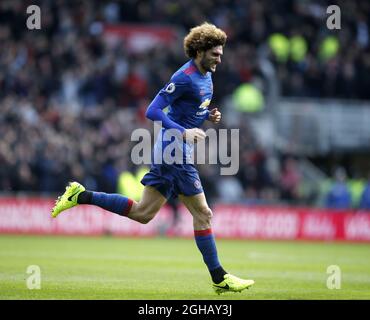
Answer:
(179, 84)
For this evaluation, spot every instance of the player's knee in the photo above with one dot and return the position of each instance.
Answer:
(147, 215)
(145, 219)
(204, 216)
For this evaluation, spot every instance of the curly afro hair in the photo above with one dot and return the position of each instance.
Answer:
(203, 38)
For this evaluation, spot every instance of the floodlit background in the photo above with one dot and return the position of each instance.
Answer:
(72, 92)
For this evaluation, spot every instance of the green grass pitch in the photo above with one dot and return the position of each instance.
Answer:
(170, 268)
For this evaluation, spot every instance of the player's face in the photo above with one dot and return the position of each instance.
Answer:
(211, 58)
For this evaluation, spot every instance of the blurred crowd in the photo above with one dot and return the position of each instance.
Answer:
(69, 101)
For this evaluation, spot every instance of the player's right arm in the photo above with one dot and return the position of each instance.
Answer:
(177, 87)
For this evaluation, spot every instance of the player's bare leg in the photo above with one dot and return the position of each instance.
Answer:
(198, 207)
(202, 216)
(148, 206)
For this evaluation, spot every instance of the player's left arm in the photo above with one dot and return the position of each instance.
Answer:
(214, 115)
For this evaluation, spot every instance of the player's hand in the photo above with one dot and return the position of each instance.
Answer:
(214, 115)
(194, 135)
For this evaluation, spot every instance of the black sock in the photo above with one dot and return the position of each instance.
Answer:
(218, 275)
(84, 197)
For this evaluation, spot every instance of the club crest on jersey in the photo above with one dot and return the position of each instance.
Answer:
(170, 88)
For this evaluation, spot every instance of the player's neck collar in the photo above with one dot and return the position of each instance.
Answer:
(192, 61)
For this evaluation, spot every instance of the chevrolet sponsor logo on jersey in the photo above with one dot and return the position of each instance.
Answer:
(204, 107)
